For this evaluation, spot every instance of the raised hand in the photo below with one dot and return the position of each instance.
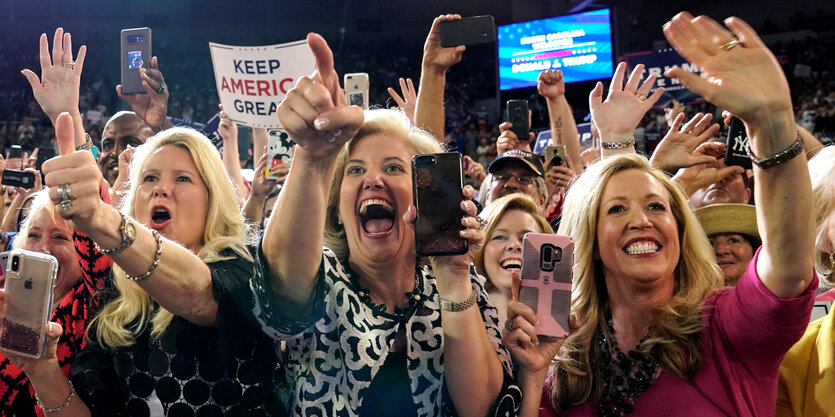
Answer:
(550, 84)
(151, 105)
(57, 89)
(678, 148)
(520, 338)
(702, 175)
(743, 78)
(625, 105)
(261, 186)
(436, 57)
(409, 99)
(507, 139)
(315, 112)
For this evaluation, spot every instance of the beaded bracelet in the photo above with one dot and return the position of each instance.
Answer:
(63, 405)
(153, 267)
(778, 158)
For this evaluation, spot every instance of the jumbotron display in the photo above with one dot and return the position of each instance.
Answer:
(578, 44)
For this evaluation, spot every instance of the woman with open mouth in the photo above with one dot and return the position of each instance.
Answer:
(163, 337)
(370, 329)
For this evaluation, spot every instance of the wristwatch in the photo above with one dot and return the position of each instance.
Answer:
(459, 306)
(128, 237)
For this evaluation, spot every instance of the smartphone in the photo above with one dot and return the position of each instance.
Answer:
(17, 178)
(14, 159)
(555, 155)
(517, 113)
(467, 31)
(735, 144)
(30, 279)
(437, 180)
(279, 150)
(356, 89)
(135, 54)
(547, 273)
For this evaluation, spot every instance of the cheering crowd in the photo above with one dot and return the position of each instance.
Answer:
(185, 290)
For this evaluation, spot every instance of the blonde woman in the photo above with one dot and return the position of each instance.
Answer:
(653, 335)
(153, 346)
(508, 220)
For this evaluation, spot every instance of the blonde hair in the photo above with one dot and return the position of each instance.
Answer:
(822, 172)
(124, 318)
(389, 122)
(40, 201)
(674, 332)
(494, 212)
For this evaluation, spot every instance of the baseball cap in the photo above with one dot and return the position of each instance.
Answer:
(528, 159)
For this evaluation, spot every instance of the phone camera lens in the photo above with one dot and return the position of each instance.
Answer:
(15, 263)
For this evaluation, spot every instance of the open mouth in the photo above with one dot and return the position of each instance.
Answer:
(511, 264)
(114, 165)
(643, 247)
(376, 216)
(160, 217)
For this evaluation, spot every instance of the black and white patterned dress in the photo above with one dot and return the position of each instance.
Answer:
(332, 360)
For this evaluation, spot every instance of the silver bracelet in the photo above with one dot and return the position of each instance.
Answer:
(459, 306)
(63, 405)
(87, 145)
(154, 265)
(618, 145)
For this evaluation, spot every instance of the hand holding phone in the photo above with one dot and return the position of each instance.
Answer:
(356, 89)
(279, 151)
(547, 274)
(135, 54)
(437, 183)
(14, 158)
(555, 155)
(735, 144)
(17, 178)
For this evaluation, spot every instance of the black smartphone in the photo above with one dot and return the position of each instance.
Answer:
(437, 181)
(547, 273)
(467, 31)
(15, 151)
(735, 144)
(135, 54)
(517, 113)
(17, 178)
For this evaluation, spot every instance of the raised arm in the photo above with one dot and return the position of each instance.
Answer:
(429, 110)
(618, 116)
(551, 85)
(317, 117)
(58, 87)
(152, 105)
(231, 159)
(742, 76)
(181, 282)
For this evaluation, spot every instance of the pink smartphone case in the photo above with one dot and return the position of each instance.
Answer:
(548, 292)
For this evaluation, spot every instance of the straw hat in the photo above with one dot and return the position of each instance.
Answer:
(729, 218)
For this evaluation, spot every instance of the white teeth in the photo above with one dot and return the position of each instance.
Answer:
(511, 263)
(366, 203)
(641, 247)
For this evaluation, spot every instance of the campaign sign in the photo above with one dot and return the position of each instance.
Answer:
(543, 139)
(253, 80)
(658, 62)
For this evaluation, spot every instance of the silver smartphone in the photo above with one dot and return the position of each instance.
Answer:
(29, 282)
(135, 54)
(356, 89)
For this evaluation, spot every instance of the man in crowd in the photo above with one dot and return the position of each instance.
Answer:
(517, 171)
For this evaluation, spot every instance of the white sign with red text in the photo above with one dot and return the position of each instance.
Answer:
(253, 80)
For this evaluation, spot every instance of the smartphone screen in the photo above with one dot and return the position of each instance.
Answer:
(135, 54)
(517, 114)
(735, 144)
(467, 31)
(547, 272)
(16, 178)
(437, 183)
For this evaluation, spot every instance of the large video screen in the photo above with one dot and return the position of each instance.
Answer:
(579, 44)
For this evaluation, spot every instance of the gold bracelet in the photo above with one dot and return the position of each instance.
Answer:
(63, 405)
(458, 306)
(154, 265)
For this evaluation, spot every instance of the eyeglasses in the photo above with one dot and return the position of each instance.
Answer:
(520, 179)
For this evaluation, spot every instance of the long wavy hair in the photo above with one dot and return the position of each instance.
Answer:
(822, 172)
(389, 122)
(121, 320)
(494, 212)
(674, 332)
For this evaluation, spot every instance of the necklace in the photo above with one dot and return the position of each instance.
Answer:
(415, 297)
(624, 376)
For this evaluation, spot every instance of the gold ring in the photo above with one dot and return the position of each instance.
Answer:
(70, 65)
(641, 96)
(730, 44)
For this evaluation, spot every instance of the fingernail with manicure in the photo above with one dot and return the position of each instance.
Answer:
(321, 123)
